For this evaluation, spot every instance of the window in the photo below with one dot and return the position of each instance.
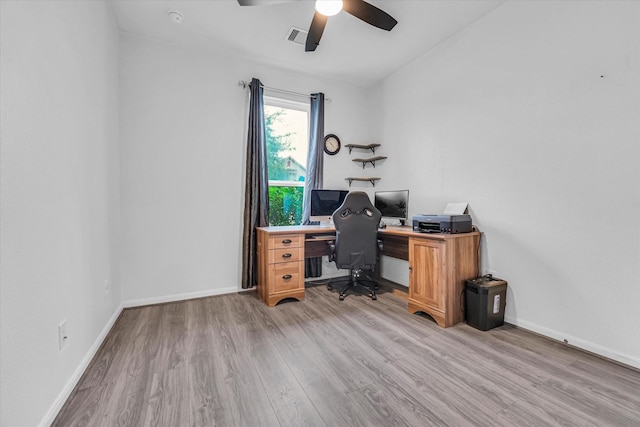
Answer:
(287, 134)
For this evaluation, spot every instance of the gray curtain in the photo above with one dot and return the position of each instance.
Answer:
(315, 167)
(256, 192)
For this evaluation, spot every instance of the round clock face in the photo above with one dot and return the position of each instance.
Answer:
(331, 144)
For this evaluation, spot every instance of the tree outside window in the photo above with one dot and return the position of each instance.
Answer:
(287, 137)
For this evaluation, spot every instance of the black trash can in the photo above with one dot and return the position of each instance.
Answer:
(486, 298)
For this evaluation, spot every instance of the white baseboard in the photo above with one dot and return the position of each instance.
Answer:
(53, 411)
(181, 297)
(576, 342)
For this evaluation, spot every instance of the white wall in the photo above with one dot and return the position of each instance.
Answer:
(531, 115)
(183, 135)
(58, 187)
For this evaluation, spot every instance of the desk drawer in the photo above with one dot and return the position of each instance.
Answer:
(285, 241)
(395, 246)
(316, 248)
(286, 255)
(287, 276)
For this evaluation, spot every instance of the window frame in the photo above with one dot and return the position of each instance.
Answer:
(271, 101)
(289, 104)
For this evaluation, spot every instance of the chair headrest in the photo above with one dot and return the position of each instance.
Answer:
(356, 203)
(346, 212)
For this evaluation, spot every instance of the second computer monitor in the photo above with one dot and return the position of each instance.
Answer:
(393, 204)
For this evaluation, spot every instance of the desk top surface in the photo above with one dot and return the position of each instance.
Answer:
(393, 230)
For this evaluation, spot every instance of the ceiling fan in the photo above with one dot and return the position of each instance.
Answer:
(325, 8)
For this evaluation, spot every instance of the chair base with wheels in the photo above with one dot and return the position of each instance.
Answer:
(356, 280)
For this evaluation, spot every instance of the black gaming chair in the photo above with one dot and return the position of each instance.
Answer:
(356, 245)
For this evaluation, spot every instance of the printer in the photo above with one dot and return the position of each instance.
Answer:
(442, 223)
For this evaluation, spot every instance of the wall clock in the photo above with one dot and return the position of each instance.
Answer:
(331, 144)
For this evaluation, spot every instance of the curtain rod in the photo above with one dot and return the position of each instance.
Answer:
(246, 84)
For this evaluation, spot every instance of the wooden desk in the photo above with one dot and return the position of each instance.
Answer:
(438, 265)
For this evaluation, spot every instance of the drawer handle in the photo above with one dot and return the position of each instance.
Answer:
(287, 276)
(287, 255)
(286, 241)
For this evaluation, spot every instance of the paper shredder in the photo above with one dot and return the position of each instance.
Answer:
(485, 302)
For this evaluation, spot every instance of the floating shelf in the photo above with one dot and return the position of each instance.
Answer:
(372, 180)
(371, 160)
(371, 147)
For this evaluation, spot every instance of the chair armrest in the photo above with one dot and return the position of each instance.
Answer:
(332, 250)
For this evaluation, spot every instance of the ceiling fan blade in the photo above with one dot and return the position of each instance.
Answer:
(369, 14)
(315, 32)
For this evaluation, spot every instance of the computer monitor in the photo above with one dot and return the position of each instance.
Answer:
(393, 204)
(324, 203)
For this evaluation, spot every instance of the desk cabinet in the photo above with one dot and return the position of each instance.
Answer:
(280, 267)
(438, 267)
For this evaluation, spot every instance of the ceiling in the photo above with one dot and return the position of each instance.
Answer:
(350, 51)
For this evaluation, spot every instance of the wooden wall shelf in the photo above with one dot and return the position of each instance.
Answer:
(371, 160)
(371, 147)
(364, 162)
(372, 180)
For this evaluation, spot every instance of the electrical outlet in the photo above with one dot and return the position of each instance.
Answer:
(63, 337)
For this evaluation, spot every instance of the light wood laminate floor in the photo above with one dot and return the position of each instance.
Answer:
(232, 361)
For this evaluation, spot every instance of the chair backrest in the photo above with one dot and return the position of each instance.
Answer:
(356, 222)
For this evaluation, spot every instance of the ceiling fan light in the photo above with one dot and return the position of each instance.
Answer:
(329, 7)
